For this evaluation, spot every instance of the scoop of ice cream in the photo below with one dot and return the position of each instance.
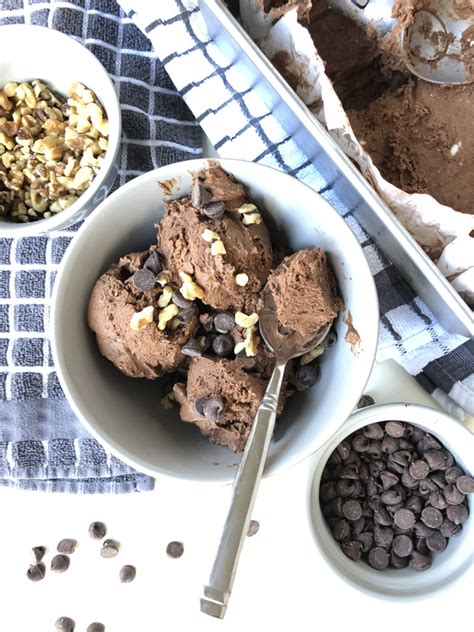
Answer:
(221, 399)
(226, 258)
(126, 319)
(304, 290)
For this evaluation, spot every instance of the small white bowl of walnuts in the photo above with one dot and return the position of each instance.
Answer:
(60, 129)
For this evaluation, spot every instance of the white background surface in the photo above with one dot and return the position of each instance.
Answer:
(282, 583)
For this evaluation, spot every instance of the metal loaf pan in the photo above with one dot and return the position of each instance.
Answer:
(371, 211)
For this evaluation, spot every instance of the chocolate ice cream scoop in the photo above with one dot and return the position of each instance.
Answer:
(285, 344)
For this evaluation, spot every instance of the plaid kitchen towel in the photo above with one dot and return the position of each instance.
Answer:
(42, 444)
(240, 125)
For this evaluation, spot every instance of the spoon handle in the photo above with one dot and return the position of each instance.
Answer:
(244, 491)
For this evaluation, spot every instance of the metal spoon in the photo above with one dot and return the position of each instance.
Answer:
(285, 346)
(435, 47)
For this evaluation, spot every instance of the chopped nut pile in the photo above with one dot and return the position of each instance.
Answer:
(50, 148)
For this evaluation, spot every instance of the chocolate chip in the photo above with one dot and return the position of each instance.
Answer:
(353, 549)
(439, 479)
(127, 573)
(344, 449)
(65, 624)
(398, 562)
(352, 510)
(428, 442)
(350, 471)
(408, 480)
(192, 348)
(395, 468)
(389, 444)
(378, 558)
(375, 468)
(331, 340)
(364, 401)
(175, 549)
(373, 431)
(153, 263)
(36, 572)
(327, 492)
(427, 487)
(422, 530)
(419, 469)
(97, 530)
(38, 552)
(67, 546)
(394, 429)
(382, 517)
(415, 504)
(213, 408)
(95, 627)
(224, 322)
(402, 545)
(465, 484)
(341, 530)
(453, 495)
(353, 457)
(458, 514)
(367, 541)
(360, 443)
(223, 345)
(357, 526)
(436, 459)
(334, 508)
(436, 499)
(401, 457)
(307, 375)
(110, 548)
(448, 528)
(436, 542)
(449, 459)
(391, 497)
(334, 459)
(375, 449)
(404, 518)
(214, 210)
(432, 517)
(199, 194)
(144, 280)
(383, 536)
(179, 300)
(186, 315)
(389, 479)
(346, 487)
(254, 526)
(60, 563)
(420, 562)
(452, 474)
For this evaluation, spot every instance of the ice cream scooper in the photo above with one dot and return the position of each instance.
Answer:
(437, 42)
(286, 345)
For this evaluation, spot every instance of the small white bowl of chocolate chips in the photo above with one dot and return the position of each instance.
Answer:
(390, 501)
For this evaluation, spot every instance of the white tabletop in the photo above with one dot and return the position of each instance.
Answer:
(282, 582)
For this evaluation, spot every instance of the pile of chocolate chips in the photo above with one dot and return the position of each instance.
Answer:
(392, 495)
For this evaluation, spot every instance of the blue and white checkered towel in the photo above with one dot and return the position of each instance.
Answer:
(42, 444)
(240, 125)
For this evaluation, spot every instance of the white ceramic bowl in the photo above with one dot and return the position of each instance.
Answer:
(30, 52)
(125, 414)
(407, 583)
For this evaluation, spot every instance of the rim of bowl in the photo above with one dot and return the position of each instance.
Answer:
(427, 418)
(165, 173)
(113, 112)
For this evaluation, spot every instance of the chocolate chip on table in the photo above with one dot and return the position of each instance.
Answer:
(60, 563)
(402, 545)
(192, 348)
(436, 541)
(254, 526)
(179, 300)
(223, 345)
(97, 530)
(127, 573)
(95, 627)
(214, 210)
(67, 546)
(200, 196)
(419, 469)
(404, 518)
(175, 549)
(65, 624)
(224, 322)
(364, 401)
(153, 263)
(457, 514)
(353, 549)
(144, 280)
(394, 429)
(432, 517)
(420, 562)
(465, 484)
(453, 495)
(352, 510)
(307, 375)
(378, 558)
(38, 552)
(36, 572)
(110, 548)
